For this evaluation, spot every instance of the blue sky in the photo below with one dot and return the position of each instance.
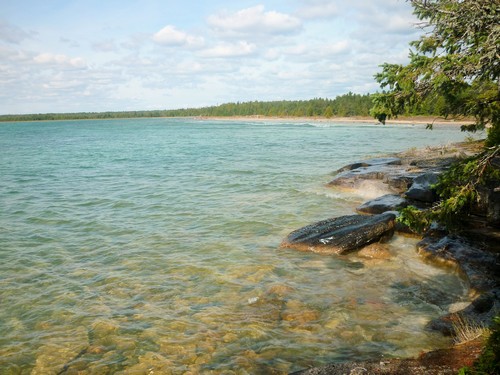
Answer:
(100, 55)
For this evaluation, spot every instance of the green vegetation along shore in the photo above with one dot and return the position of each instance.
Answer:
(348, 105)
(344, 105)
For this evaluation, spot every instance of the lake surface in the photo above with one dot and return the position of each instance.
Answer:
(152, 246)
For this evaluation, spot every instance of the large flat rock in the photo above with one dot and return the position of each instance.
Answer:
(388, 202)
(371, 163)
(341, 235)
(388, 171)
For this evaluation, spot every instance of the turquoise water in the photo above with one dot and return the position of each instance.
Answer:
(152, 246)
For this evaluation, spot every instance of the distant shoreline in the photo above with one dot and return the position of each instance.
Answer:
(412, 120)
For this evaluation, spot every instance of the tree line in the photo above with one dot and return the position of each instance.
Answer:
(346, 105)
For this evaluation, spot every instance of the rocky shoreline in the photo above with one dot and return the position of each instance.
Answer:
(405, 179)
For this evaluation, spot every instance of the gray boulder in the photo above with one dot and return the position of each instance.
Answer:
(487, 204)
(480, 268)
(370, 163)
(422, 188)
(341, 235)
(387, 171)
(388, 202)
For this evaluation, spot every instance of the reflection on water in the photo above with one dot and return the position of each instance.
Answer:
(152, 247)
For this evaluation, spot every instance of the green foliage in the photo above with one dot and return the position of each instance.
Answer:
(489, 361)
(454, 69)
(419, 221)
(344, 105)
(458, 186)
(494, 132)
(457, 189)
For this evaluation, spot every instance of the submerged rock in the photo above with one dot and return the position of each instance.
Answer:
(341, 235)
(375, 251)
(388, 202)
(280, 290)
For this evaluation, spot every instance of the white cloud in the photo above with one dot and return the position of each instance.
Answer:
(278, 50)
(239, 49)
(62, 84)
(254, 21)
(401, 24)
(62, 61)
(316, 9)
(8, 54)
(336, 48)
(171, 36)
(385, 17)
(310, 52)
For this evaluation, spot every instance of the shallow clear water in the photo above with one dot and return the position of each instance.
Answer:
(151, 246)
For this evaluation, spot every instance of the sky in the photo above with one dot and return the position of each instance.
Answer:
(118, 55)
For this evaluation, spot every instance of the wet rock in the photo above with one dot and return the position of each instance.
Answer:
(405, 230)
(481, 268)
(484, 303)
(301, 317)
(400, 182)
(268, 308)
(353, 179)
(388, 202)
(150, 363)
(280, 290)
(442, 324)
(420, 295)
(370, 163)
(332, 323)
(388, 172)
(341, 235)
(439, 362)
(422, 188)
(102, 328)
(479, 313)
(488, 204)
(458, 306)
(375, 251)
(299, 314)
(58, 354)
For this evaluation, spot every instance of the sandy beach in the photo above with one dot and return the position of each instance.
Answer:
(416, 120)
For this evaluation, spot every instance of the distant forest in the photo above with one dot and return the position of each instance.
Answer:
(347, 105)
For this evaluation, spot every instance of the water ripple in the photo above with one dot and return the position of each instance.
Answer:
(141, 245)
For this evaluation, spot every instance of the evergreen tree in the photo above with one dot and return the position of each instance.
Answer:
(456, 61)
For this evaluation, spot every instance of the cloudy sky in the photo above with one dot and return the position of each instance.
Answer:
(100, 55)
